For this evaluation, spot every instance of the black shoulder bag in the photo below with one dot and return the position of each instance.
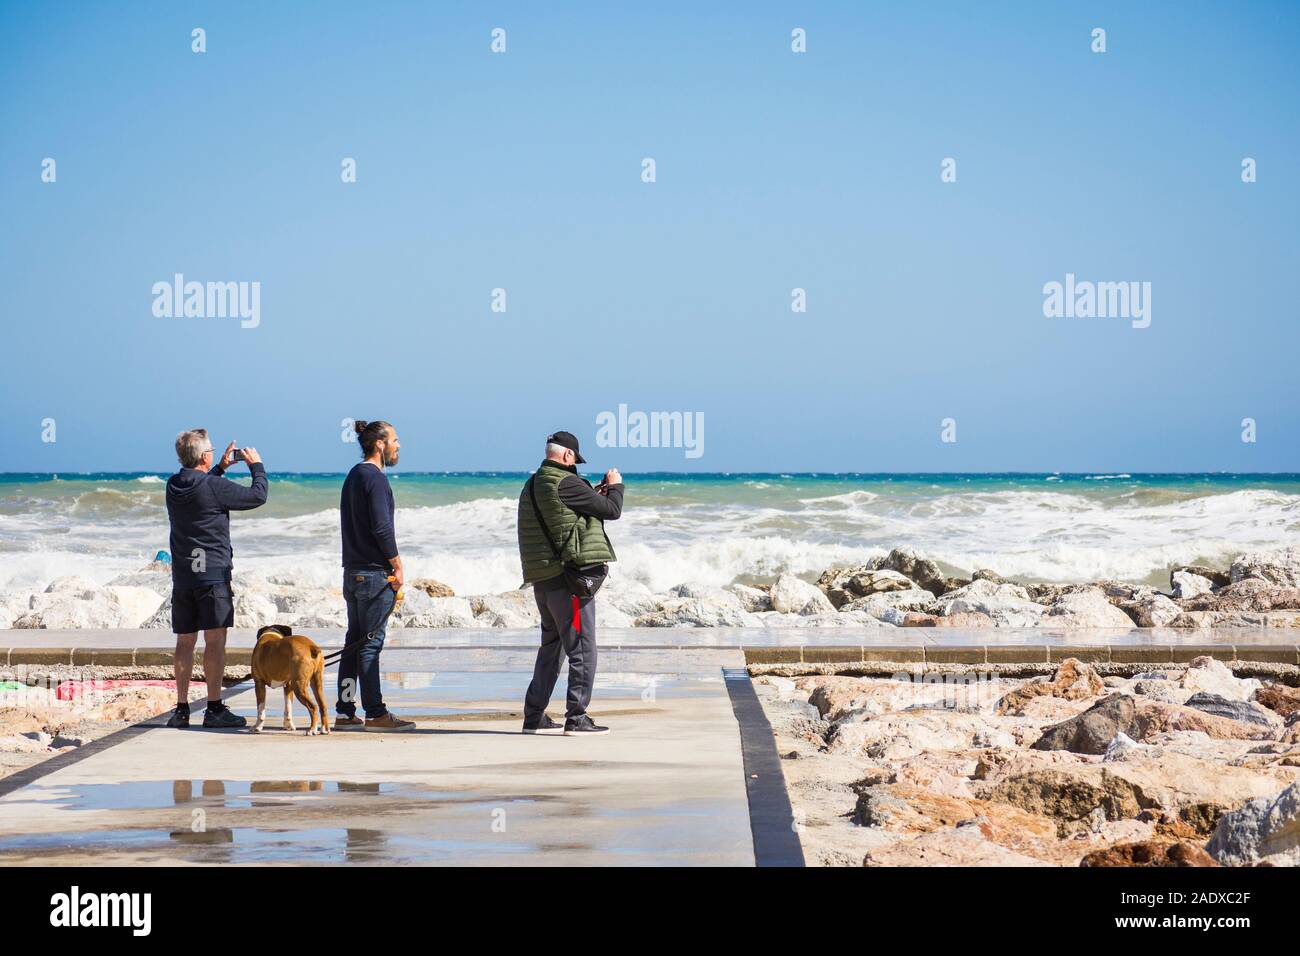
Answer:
(582, 582)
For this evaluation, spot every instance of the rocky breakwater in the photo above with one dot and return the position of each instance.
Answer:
(898, 589)
(1189, 766)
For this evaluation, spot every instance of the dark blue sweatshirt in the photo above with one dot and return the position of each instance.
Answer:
(366, 514)
(198, 506)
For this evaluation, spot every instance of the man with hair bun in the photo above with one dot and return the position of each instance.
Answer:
(372, 577)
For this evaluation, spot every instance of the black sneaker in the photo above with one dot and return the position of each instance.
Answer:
(583, 726)
(180, 716)
(544, 725)
(221, 718)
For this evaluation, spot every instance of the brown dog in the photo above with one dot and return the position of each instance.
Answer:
(284, 659)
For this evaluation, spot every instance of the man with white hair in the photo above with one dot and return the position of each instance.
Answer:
(199, 502)
(564, 552)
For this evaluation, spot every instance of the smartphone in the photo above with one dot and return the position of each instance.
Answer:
(237, 454)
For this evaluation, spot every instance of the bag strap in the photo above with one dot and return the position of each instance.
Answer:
(532, 496)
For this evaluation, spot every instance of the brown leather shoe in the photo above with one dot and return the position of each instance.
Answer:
(389, 724)
(348, 723)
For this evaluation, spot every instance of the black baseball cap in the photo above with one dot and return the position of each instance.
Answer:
(569, 441)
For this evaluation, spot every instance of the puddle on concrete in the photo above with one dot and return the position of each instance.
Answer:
(271, 808)
(159, 794)
(244, 845)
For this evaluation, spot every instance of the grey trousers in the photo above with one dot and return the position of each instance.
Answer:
(560, 638)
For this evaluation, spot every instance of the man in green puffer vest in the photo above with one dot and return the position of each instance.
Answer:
(574, 514)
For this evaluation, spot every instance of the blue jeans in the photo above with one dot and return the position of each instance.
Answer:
(370, 601)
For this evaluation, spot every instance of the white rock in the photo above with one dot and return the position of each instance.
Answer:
(697, 612)
(630, 596)
(158, 580)
(1266, 829)
(137, 603)
(889, 606)
(446, 612)
(254, 609)
(1280, 567)
(1188, 585)
(1153, 609)
(69, 608)
(752, 599)
(607, 616)
(794, 595)
(1122, 744)
(517, 609)
(1007, 604)
(1087, 608)
(1215, 677)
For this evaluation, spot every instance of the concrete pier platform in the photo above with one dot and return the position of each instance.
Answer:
(666, 787)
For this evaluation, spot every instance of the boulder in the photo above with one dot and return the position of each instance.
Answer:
(71, 606)
(897, 736)
(724, 610)
(1216, 578)
(630, 596)
(1007, 604)
(1147, 607)
(1240, 710)
(254, 609)
(842, 585)
(1073, 680)
(444, 612)
(1281, 567)
(137, 603)
(916, 568)
(434, 589)
(1085, 608)
(157, 577)
(794, 595)
(1247, 595)
(1279, 698)
(1155, 717)
(1150, 853)
(608, 616)
(985, 574)
(890, 602)
(961, 846)
(1192, 791)
(161, 619)
(517, 609)
(1188, 585)
(1212, 676)
(1093, 731)
(752, 599)
(1263, 830)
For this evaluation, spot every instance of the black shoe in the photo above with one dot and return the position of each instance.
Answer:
(180, 717)
(544, 725)
(583, 727)
(222, 718)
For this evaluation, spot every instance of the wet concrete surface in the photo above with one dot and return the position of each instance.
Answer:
(466, 787)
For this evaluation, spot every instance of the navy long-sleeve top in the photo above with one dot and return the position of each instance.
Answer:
(366, 513)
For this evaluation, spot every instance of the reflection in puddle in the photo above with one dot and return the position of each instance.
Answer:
(283, 825)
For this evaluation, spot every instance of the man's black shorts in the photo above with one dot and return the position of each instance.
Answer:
(199, 609)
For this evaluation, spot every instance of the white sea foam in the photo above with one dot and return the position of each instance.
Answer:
(1129, 533)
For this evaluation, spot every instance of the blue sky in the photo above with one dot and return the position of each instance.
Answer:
(775, 170)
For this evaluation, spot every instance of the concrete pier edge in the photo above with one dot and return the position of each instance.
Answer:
(917, 653)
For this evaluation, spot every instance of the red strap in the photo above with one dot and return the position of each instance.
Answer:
(577, 616)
